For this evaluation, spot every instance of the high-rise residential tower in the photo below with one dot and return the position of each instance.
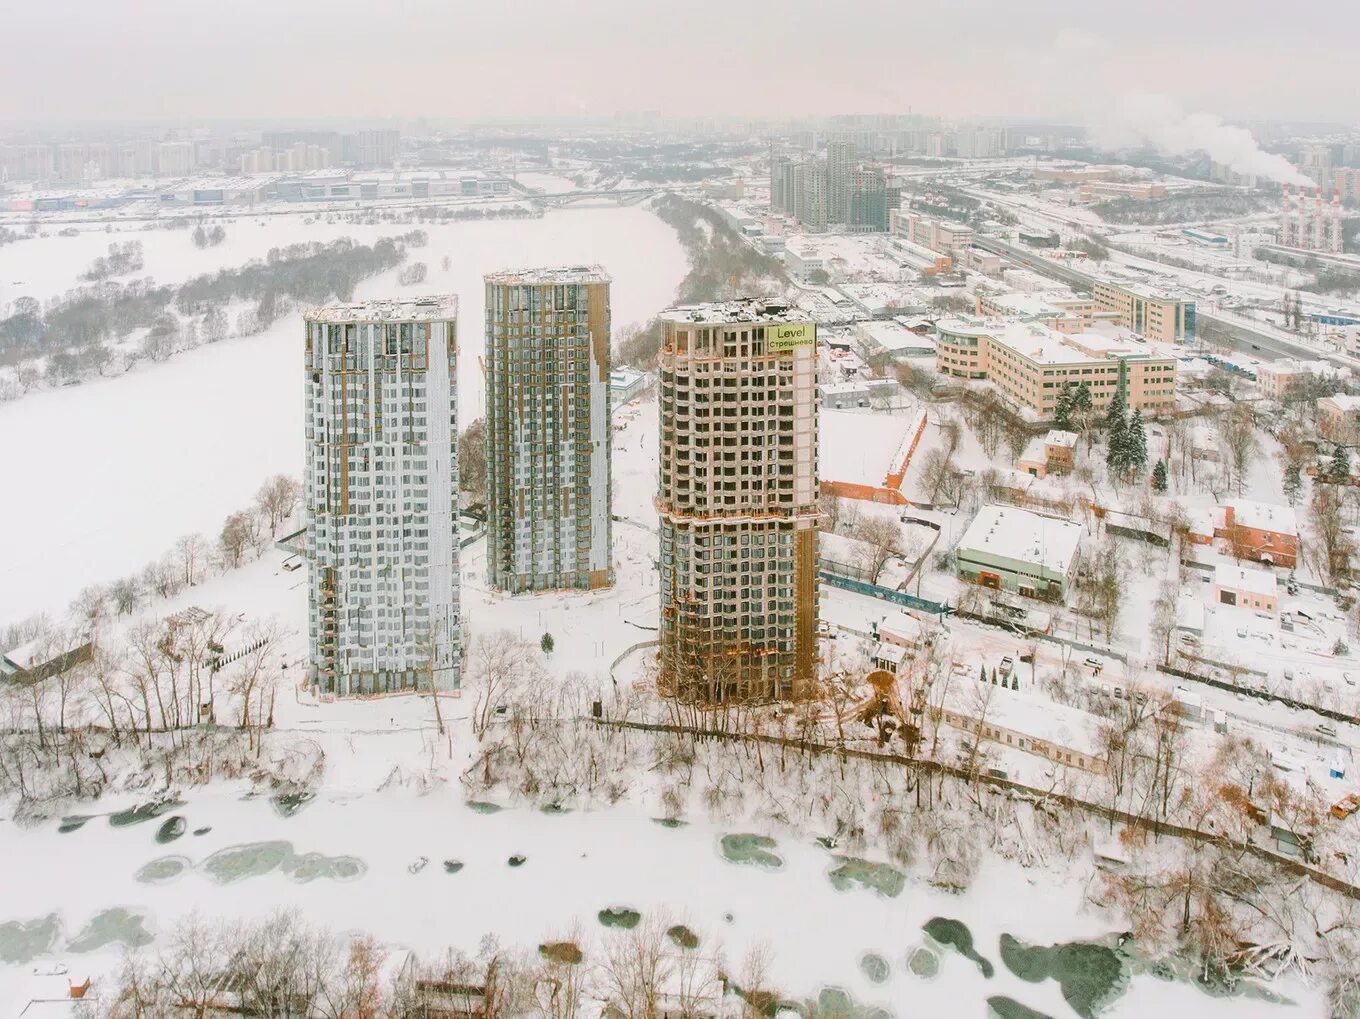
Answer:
(548, 433)
(382, 496)
(737, 502)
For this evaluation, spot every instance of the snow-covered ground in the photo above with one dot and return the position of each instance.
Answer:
(111, 472)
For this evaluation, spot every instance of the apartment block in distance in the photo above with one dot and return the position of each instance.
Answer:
(548, 429)
(381, 493)
(1148, 312)
(1031, 362)
(737, 502)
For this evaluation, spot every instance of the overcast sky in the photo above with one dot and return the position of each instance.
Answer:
(188, 59)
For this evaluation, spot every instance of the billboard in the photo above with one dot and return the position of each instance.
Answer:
(789, 336)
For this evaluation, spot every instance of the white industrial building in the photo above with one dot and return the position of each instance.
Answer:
(1019, 550)
(381, 492)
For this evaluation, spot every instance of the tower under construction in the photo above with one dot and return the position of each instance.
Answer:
(548, 429)
(737, 502)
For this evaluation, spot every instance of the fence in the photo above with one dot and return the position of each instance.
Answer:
(1265, 695)
(908, 601)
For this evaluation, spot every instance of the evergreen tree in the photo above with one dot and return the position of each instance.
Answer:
(1340, 467)
(1135, 444)
(1293, 483)
(1159, 476)
(993, 675)
(547, 643)
(982, 673)
(1062, 413)
(1081, 400)
(1117, 437)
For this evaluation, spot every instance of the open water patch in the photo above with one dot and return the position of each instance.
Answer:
(669, 822)
(838, 1003)
(482, 807)
(452, 866)
(255, 859)
(851, 871)
(619, 918)
(747, 848)
(22, 941)
(956, 935)
(923, 962)
(288, 804)
(1090, 975)
(875, 967)
(1002, 1007)
(163, 869)
(171, 828)
(143, 812)
(568, 953)
(682, 937)
(73, 822)
(115, 926)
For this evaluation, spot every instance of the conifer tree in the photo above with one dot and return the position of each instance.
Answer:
(1159, 476)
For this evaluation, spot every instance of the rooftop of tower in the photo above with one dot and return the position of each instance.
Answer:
(743, 309)
(412, 309)
(550, 275)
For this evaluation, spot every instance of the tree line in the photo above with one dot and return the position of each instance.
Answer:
(75, 331)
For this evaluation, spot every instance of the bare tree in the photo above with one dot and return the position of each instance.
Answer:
(635, 971)
(1238, 428)
(882, 539)
(238, 532)
(125, 594)
(1333, 543)
(188, 552)
(276, 500)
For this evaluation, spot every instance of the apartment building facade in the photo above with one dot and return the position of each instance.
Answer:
(1150, 313)
(737, 502)
(1031, 363)
(381, 495)
(548, 434)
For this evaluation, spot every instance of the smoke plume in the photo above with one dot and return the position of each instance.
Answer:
(1160, 122)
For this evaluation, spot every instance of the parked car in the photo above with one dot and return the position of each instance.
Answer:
(1007, 667)
(1095, 664)
(1323, 729)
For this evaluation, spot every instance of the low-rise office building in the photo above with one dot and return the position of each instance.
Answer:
(1031, 363)
(1148, 312)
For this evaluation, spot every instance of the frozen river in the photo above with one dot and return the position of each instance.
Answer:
(103, 477)
(345, 861)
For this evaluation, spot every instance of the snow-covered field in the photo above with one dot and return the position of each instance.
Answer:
(103, 477)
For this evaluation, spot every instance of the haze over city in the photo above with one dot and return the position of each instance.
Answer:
(1244, 59)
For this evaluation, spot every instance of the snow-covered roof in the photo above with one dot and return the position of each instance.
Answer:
(1057, 437)
(414, 309)
(552, 274)
(1021, 535)
(858, 448)
(1264, 516)
(1245, 578)
(1021, 712)
(1189, 613)
(745, 309)
(1343, 402)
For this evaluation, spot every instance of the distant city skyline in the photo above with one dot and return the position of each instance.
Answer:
(1239, 59)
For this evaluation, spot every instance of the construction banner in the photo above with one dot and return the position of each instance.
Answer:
(790, 336)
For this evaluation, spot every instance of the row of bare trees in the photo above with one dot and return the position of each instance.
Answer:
(157, 684)
(282, 966)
